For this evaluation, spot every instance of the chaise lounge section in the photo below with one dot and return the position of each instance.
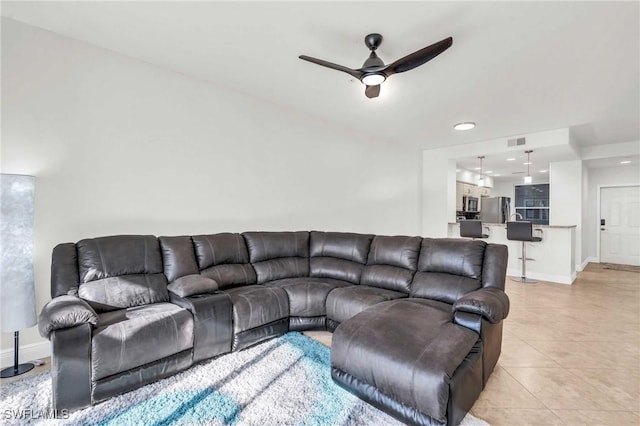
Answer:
(417, 321)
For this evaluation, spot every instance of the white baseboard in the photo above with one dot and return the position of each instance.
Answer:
(26, 353)
(560, 279)
(588, 260)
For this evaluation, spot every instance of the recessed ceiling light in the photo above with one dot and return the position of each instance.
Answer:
(544, 171)
(527, 163)
(489, 171)
(496, 175)
(511, 159)
(625, 162)
(467, 125)
(476, 168)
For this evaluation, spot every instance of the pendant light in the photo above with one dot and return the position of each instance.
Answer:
(527, 178)
(481, 180)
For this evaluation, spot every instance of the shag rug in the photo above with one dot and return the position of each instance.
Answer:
(284, 381)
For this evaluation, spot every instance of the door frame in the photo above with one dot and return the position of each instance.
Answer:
(599, 209)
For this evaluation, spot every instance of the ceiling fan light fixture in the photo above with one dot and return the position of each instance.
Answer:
(467, 125)
(373, 79)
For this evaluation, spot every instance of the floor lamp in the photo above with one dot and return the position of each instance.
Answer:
(17, 291)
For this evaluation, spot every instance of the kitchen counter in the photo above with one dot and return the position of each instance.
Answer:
(534, 225)
(553, 257)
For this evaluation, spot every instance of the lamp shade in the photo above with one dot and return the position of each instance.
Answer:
(17, 291)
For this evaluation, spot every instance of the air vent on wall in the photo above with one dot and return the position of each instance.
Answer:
(516, 141)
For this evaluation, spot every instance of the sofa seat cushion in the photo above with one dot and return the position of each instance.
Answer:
(416, 342)
(132, 337)
(308, 296)
(343, 303)
(257, 305)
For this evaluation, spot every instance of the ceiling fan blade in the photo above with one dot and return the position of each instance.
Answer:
(418, 58)
(355, 73)
(372, 91)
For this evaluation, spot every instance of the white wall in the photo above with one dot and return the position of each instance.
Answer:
(565, 198)
(602, 177)
(119, 146)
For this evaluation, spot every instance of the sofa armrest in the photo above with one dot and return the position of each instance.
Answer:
(65, 312)
(491, 303)
(193, 284)
(212, 317)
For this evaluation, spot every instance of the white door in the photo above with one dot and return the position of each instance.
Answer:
(620, 231)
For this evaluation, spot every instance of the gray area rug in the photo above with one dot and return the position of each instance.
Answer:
(284, 381)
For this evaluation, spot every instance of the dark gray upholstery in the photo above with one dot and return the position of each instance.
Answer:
(256, 305)
(521, 231)
(494, 267)
(338, 255)
(490, 303)
(121, 271)
(278, 255)
(178, 257)
(418, 361)
(472, 229)
(118, 255)
(448, 269)
(423, 359)
(344, 303)
(71, 367)
(392, 262)
(212, 323)
(307, 296)
(224, 258)
(64, 269)
(65, 312)
(190, 285)
(148, 333)
(113, 293)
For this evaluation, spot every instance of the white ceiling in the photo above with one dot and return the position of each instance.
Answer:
(514, 68)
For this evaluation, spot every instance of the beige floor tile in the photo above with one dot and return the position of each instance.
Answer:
(516, 353)
(516, 416)
(590, 417)
(622, 385)
(560, 389)
(589, 354)
(503, 391)
(323, 337)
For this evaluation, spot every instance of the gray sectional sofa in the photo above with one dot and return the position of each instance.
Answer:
(417, 321)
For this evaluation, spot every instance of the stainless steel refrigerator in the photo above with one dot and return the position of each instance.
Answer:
(495, 209)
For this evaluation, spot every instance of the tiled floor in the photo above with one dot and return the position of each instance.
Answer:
(570, 355)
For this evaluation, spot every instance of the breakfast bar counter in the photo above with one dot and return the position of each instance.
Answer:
(553, 257)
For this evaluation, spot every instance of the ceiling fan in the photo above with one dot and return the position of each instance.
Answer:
(374, 72)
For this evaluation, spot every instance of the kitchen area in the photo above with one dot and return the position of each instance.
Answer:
(551, 259)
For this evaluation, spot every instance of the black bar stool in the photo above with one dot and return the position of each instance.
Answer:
(472, 229)
(523, 231)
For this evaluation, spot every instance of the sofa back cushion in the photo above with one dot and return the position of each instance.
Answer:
(278, 255)
(121, 272)
(448, 268)
(391, 263)
(178, 256)
(338, 255)
(224, 258)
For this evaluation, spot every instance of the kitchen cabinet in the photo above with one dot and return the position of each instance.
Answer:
(485, 192)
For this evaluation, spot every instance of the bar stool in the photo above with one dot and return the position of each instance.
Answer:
(472, 229)
(523, 231)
